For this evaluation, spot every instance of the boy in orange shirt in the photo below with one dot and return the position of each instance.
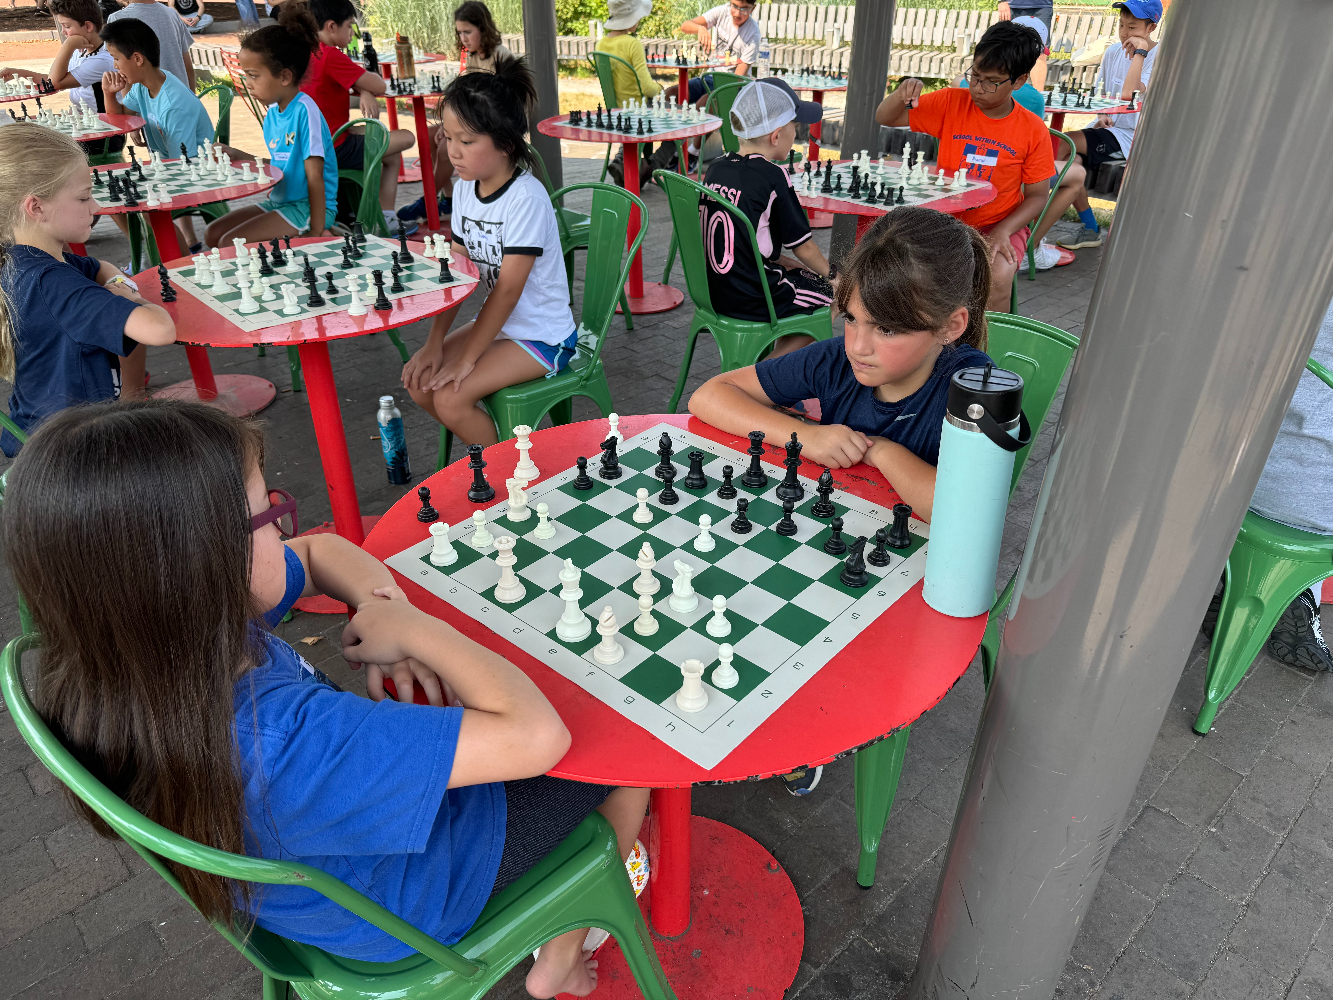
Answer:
(985, 132)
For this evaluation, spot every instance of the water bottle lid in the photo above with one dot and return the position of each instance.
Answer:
(995, 390)
(386, 401)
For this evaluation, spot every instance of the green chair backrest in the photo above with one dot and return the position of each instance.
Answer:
(368, 177)
(723, 78)
(8, 424)
(539, 169)
(602, 63)
(225, 94)
(719, 103)
(1320, 372)
(1069, 161)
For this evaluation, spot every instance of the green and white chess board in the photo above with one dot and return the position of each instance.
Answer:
(421, 275)
(661, 121)
(914, 192)
(77, 125)
(789, 612)
(812, 81)
(1091, 105)
(172, 182)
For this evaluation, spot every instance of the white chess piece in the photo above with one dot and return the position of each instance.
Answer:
(960, 177)
(510, 589)
(526, 469)
(256, 288)
(356, 307)
(613, 428)
(442, 552)
(430, 247)
(646, 583)
(194, 170)
(724, 674)
(645, 624)
(573, 625)
(518, 501)
(683, 598)
(246, 176)
(219, 285)
(269, 295)
(153, 200)
(642, 513)
(481, 537)
(718, 626)
(608, 651)
(247, 304)
(290, 307)
(544, 529)
(940, 181)
(241, 252)
(692, 697)
(705, 542)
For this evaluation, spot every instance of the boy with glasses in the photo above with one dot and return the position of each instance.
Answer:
(983, 131)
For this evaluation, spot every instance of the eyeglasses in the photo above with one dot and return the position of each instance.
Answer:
(745, 9)
(985, 86)
(282, 509)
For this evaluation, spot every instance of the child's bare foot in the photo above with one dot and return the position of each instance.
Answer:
(550, 976)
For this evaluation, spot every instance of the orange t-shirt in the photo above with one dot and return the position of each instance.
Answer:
(1009, 152)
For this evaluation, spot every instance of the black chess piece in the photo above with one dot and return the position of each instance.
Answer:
(404, 254)
(854, 569)
(275, 253)
(835, 546)
(791, 161)
(871, 197)
(23, 106)
(854, 190)
(695, 478)
(786, 526)
(1132, 98)
(287, 243)
(664, 453)
(827, 187)
(1064, 99)
(394, 272)
(900, 200)
(726, 491)
(168, 293)
(610, 460)
(265, 268)
(742, 525)
(97, 178)
(112, 188)
(1049, 94)
(790, 488)
(315, 300)
(185, 155)
(330, 288)
(639, 130)
(446, 275)
(583, 481)
(837, 184)
(755, 477)
(899, 536)
(427, 513)
(668, 497)
(648, 127)
(382, 302)
(480, 491)
(131, 199)
(823, 507)
(880, 557)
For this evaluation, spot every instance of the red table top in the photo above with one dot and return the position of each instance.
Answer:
(196, 323)
(887, 677)
(560, 128)
(271, 175)
(949, 204)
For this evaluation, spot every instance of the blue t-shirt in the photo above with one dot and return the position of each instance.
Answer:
(174, 116)
(292, 134)
(69, 335)
(1031, 98)
(359, 789)
(821, 371)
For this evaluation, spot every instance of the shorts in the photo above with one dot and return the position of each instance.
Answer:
(1042, 14)
(552, 357)
(699, 85)
(808, 292)
(540, 813)
(1018, 240)
(1102, 146)
(297, 213)
(351, 152)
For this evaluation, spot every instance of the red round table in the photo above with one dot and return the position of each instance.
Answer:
(818, 220)
(726, 919)
(643, 296)
(200, 325)
(425, 162)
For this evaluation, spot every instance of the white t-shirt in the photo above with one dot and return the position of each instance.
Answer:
(742, 42)
(518, 219)
(172, 35)
(87, 68)
(1115, 67)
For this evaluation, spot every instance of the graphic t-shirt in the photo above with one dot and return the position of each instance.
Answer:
(742, 42)
(1115, 67)
(764, 192)
(1009, 152)
(172, 35)
(292, 134)
(821, 370)
(329, 78)
(87, 68)
(174, 116)
(517, 219)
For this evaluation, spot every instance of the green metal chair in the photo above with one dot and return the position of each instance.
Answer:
(1269, 565)
(1032, 233)
(580, 884)
(25, 620)
(367, 179)
(603, 285)
(1040, 353)
(740, 342)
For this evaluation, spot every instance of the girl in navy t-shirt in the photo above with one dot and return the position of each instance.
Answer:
(913, 297)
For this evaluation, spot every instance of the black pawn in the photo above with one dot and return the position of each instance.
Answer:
(837, 184)
(446, 275)
(786, 526)
(97, 178)
(315, 300)
(790, 488)
(726, 491)
(382, 302)
(275, 253)
(330, 288)
(854, 570)
(168, 293)
(610, 460)
(427, 513)
(347, 264)
(835, 546)
(695, 478)
(823, 507)
(480, 491)
(668, 497)
(899, 536)
(880, 557)
(755, 477)
(287, 242)
(664, 453)
(742, 524)
(583, 481)
(900, 200)
(404, 254)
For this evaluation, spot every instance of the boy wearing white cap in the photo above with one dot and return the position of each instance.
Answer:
(632, 81)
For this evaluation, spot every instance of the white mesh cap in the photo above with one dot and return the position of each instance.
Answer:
(760, 109)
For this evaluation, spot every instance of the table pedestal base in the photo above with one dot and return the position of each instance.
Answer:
(239, 395)
(746, 931)
(319, 604)
(656, 298)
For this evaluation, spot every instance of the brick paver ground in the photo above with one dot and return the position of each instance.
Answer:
(1219, 887)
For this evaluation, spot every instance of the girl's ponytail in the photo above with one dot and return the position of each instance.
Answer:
(289, 44)
(8, 357)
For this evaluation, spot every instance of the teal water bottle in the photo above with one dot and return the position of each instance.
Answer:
(984, 426)
(393, 442)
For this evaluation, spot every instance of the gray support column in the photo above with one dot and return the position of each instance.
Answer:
(1216, 275)
(871, 41)
(539, 39)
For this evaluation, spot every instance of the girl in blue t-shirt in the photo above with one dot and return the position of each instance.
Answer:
(70, 326)
(152, 555)
(913, 297)
(304, 202)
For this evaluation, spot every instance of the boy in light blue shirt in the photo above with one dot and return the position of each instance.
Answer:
(174, 116)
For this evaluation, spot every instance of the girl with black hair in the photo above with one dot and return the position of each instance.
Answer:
(503, 220)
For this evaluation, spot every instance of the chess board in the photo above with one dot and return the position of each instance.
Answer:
(658, 121)
(58, 123)
(789, 612)
(421, 275)
(1056, 102)
(913, 194)
(174, 182)
(424, 85)
(812, 81)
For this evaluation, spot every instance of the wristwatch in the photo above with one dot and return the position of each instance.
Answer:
(1140, 52)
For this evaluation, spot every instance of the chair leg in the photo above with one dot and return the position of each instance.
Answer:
(446, 446)
(398, 343)
(684, 370)
(624, 310)
(877, 769)
(671, 259)
(563, 412)
(1013, 296)
(569, 273)
(276, 989)
(294, 363)
(1032, 263)
(606, 162)
(636, 945)
(262, 353)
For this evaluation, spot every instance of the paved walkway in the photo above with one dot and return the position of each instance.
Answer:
(1220, 886)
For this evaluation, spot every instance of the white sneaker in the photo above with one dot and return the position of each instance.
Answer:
(1046, 256)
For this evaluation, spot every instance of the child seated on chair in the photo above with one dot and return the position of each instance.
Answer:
(210, 725)
(764, 118)
(503, 221)
(632, 81)
(984, 131)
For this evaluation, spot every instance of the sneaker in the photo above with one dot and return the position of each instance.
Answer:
(803, 781)
(1046, 256)
(1298, 638)
(391, 221)
(197, 248)
(416, 212)
(1085, 237)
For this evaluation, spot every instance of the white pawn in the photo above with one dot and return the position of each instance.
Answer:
(608, 651)
(219, 286)
(269, 295)
(430, 247)
(247, 304)
(573, 625)
(645, 624)
(692, 697)
(724, 674)
(289, 304)
(705, 541)
(646, 583)
(518, 500)
(940, 180)
(510, 589)
(613, 428)
(481, 538)
(642, 515)
(718, 626)
(526, 469)
(544, 529)
(683, 598)
(442, 551)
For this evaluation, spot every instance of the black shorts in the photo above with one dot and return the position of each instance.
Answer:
(1102, 146)
(351, 152)
(541, 813)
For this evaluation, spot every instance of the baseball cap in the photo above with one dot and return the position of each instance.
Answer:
(766, 105)
(1148, 10)
(1036, 25)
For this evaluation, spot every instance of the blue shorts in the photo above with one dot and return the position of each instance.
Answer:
(552, 357)
(699, 85)
(297, 213)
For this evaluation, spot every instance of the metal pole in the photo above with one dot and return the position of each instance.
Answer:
(539, 41)
(871, 42)
(1216, 275)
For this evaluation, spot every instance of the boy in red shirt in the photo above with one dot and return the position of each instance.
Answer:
(982, 130)
(327, 81)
